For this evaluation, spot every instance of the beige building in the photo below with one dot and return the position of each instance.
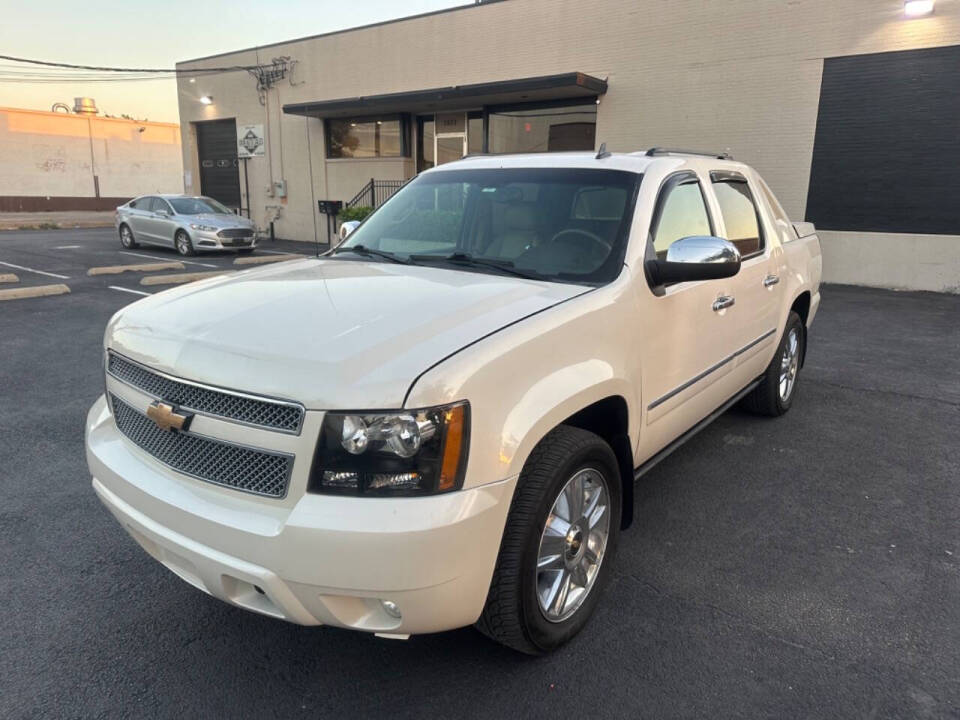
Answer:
(847, 107)
(82, 161)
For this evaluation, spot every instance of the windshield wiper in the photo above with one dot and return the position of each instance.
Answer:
(462, 258)
(362, 250)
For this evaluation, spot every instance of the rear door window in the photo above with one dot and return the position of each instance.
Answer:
(739, 212)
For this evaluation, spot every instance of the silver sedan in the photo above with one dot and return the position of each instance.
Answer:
(189, 224)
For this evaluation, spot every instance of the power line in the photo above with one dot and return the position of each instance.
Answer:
(102, 68)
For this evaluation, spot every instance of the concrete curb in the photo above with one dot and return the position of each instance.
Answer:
(182, 277)
(259, 259)
(142, 267)
(32, 292)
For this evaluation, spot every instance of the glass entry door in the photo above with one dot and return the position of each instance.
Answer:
(450, 139)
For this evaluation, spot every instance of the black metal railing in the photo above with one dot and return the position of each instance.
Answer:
(375, 193)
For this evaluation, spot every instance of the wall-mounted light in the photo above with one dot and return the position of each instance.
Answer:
(193, 80)
(917, 8)
(207, 99)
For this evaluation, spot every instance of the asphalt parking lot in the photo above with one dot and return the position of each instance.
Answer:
(802, 567)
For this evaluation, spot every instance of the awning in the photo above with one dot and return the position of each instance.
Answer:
(566, 86)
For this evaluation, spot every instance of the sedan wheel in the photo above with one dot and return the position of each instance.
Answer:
(182, 241)
(126, 237)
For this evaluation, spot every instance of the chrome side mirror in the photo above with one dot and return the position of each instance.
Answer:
(698, 257)
(348, 227)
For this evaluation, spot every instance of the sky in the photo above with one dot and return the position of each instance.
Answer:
(140, 34)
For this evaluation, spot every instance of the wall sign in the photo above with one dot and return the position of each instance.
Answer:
(250, 141)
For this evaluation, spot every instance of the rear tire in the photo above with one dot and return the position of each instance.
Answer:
(126, 237)
(778, 387)
(182, 242)
(548, 580)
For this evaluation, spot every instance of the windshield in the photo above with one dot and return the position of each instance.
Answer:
(561, 224)
(198, 206)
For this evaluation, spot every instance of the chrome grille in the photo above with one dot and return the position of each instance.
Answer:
(274, 415)
(214, 461)
(236, 233)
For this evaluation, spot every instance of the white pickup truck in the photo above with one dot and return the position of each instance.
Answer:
(439, 422)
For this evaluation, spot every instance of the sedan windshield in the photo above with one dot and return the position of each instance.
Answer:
(198, 206)
(561, 224)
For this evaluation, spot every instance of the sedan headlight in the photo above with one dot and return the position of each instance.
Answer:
(405, 452)
(204, 228)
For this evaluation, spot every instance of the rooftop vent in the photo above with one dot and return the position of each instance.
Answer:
(85, 106)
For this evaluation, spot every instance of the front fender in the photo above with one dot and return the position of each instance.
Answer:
(528, 378)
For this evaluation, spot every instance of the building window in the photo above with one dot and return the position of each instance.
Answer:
(378, 137)
(550, 128)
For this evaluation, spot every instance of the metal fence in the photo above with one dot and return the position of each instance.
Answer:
(375, 193)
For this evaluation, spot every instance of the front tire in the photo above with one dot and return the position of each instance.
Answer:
(558, 544)
(778, 386)
(182, 242)
(126, 237)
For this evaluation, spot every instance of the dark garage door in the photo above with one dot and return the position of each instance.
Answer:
(219, 172)
(886, 156)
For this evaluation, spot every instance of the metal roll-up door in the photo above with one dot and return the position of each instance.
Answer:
(219, 167)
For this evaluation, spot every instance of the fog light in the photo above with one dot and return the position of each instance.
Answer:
(391, 609)
(916, 8)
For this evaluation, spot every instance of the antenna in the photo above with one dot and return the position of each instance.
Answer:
(602, 152)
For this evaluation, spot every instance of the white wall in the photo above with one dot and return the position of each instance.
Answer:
(57, 155)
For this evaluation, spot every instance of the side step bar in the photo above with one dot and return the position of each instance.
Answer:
(653, 461)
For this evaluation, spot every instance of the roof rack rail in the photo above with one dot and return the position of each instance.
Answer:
(654, 151)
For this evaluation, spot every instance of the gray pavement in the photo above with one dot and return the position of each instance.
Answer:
(802, 567)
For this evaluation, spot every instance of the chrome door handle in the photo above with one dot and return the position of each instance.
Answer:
(770, 280)
(722, 302)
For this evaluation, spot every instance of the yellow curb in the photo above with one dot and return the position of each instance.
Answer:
(31, 292)
(182, 277)
(143, 267)
(256, 260)
(9, 278)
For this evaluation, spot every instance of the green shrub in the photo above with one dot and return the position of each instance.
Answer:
(354, 213)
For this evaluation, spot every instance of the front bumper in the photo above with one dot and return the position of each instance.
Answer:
(311, 559)
(203, 240)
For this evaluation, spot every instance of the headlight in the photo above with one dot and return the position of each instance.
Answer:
(204, 228)
(405, 452)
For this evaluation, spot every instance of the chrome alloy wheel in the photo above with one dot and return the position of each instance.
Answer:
(126, 237)
(789, 364)
(572, 545)
(183, 243)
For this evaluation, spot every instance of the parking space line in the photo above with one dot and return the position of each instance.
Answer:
(128, 290)
(31, 292)
(182, 277)
(38, 272)
(67, 247)
(9, 278)
(154, 257)
(274, 252)
(140, 267)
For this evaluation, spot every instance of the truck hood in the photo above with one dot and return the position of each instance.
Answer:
(331, 334)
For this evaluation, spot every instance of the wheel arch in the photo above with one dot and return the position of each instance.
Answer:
(801, 306)
(610, 419)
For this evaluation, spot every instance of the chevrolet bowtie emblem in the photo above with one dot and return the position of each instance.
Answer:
(167, 418)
